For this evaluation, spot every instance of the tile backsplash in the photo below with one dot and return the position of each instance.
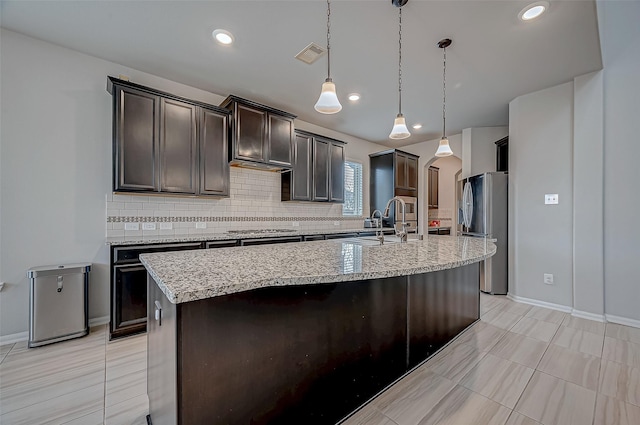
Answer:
(254, 203)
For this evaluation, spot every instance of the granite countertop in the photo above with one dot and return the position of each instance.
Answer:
(192, 275)
(140, 240)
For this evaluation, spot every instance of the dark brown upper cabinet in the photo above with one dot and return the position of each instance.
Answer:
(406, 171)
(213, 149)
(167, 144)
(317, 171)
(259, 136)
(178, 149)
(136, 118)
(433, 178)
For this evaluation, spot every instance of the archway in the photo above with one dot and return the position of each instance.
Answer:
(444, 212)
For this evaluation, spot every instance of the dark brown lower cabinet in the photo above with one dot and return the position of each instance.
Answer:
(308, 354)
(130, 304)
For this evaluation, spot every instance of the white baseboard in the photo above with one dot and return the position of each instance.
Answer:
(623, 321)
(588, 316)
(97, 321)
(531, 301)
(23, 336)
(11, 338)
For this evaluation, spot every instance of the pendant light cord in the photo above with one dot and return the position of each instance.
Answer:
(400, 61)
(444, 91)
(328, 40)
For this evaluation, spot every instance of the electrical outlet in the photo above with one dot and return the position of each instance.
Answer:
(336, 223)
(148, 226)
(166, 226)
(548, 279)
(551, 199)
(296, 224)
(131, 226)
(201, 225)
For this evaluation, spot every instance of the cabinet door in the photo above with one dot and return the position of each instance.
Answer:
(412, 173)
(136, 128)
(301, 172)
(401, 171)
(279, 139)
(178, 147)
(130, 297)
(320, 170)
(214, 164)
(250, 133)
(336, 175)
(435, 187)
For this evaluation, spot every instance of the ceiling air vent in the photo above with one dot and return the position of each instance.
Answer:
(310, 54)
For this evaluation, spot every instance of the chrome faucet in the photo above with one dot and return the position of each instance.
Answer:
(402, 233)
(379, 233)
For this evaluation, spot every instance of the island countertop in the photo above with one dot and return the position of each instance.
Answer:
(193, 275)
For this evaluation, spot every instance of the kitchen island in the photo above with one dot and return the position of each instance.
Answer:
(300, 333)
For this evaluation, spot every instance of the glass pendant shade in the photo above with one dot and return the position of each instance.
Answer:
(328, 102)
(443, 148)
(400, 130)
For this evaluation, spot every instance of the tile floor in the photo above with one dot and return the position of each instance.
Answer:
(519, 365)
(84, 381)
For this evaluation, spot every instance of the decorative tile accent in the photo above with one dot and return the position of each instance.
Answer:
(112, 219)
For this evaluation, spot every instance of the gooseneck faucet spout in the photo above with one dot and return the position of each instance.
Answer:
(379, 233)
(402, 233)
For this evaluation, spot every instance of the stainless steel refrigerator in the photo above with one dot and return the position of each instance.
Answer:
(483, 212)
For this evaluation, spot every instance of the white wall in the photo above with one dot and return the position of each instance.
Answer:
(479, 149)
(55, 168)
(540, 162)
(620, 43)
(588, 221)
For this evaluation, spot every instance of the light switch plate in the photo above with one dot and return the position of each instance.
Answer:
(548, 279)
(131, 226)
(296, 224)
(336, 223)
(148, 226)
(201, 225)
(166, 226)
(551, 199)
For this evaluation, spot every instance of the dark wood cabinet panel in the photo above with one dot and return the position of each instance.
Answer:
(214, 161)
(250, 133)
(336, 175)
(279, 138)
(129, 306)
(412, 173)
(260, 134)
(433, 182)
(136, 115)
(296, 185)
(178, 147)
(401, 170)
(158, 139)
(321, 157)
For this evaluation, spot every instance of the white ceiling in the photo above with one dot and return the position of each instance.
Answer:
(494, 56)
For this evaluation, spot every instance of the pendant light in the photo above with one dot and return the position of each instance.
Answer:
(443, 148)
(400, 130)
(328, 102)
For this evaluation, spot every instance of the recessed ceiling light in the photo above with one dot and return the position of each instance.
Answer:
(354, 97)
(223, 37)
(533, 10)
(417, 126)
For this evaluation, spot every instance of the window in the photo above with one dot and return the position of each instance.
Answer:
(352, 189)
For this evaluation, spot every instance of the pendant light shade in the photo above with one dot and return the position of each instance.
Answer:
(328, 102)
(399, 130)
(443, 148)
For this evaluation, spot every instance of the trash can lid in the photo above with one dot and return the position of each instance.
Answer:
(61, 269)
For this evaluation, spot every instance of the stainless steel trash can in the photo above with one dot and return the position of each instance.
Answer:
(58, 303)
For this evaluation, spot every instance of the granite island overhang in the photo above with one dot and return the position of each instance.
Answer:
(300, 333)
